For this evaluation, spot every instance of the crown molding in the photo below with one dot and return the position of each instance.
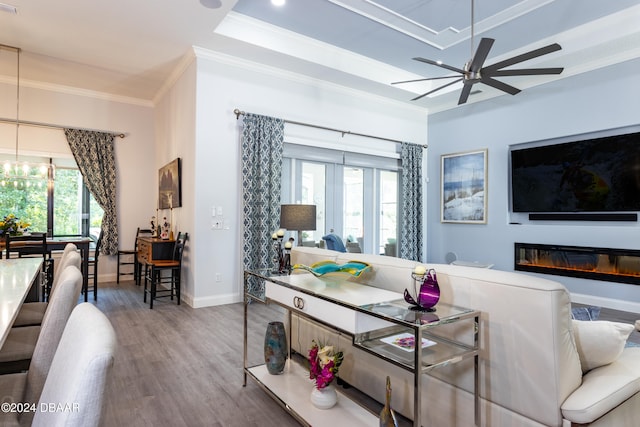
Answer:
(245, 64)
(445, 38)
(184, 63)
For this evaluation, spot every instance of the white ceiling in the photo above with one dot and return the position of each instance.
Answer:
(130, 48)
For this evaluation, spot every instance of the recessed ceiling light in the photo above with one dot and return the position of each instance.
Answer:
(211, 4)
(278, 2)
(8, 8)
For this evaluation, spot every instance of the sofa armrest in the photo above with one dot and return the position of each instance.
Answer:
(604, 388)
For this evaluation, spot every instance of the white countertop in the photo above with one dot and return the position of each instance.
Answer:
(16, 277)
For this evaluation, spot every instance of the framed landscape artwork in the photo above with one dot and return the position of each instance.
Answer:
(463, 196)
(169, 185)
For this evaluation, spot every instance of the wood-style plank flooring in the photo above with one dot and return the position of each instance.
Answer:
(179, 366)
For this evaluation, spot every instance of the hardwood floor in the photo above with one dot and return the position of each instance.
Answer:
(179, 366)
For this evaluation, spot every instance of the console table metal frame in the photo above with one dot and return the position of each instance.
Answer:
(418, 325)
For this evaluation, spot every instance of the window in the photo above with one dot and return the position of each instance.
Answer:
(353, 183)
(313, 193)
(388, 212)
(65, 208)
(356, 195)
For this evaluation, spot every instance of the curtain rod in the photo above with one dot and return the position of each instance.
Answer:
(50, 126)
(239, 113)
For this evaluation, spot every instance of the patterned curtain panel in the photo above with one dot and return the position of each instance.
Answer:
(94, 155)
(262, 142)
(411, 215)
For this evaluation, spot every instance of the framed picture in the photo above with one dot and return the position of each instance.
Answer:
(170, 185)
(463, 196)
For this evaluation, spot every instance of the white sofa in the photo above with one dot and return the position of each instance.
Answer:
(530, 371)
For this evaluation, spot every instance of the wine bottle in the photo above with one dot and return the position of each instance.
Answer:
(387, 415)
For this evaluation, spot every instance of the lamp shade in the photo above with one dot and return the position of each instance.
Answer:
(298, 217)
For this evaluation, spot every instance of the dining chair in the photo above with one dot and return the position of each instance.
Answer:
(76, 374)
(157, 270)
(130, 257)
(68, 249)
(32, 313)
(92, 264)
(20, 346)
(33, 245)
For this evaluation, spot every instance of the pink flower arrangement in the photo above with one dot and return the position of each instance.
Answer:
(324, 363)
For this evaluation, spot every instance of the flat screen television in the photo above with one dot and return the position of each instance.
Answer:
(591, 175)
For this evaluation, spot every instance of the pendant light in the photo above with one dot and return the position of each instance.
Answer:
(23, 174)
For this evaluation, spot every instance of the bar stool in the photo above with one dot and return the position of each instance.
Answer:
(130, 257)
(155, 274)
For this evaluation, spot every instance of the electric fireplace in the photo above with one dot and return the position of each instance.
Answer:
(611, 265)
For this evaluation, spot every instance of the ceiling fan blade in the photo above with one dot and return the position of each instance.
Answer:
(524, 57)
(464, 95)
(500, 85)
(439, 64)
(481, 54)
(437, 89)
(522, 72)
(422, 80)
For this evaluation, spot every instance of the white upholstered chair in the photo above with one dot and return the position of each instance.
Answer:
(23, 343)
(31, 313)
(75, 383)
(80, 370)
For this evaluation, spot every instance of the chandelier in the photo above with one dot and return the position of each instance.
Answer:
(23, 174)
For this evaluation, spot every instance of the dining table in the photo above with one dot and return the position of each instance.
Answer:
(58, 244)
(17, 276)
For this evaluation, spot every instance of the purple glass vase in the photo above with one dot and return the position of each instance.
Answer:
(429, 293)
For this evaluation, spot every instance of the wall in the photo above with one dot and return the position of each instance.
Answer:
(225, 83)
(602, 99)
(134, 154)
(175, 137)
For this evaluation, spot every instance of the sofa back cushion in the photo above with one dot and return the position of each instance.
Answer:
(309, 256)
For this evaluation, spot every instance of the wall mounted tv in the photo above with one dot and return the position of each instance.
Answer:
(600, 174)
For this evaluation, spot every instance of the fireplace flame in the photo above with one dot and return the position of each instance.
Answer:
(591, 263)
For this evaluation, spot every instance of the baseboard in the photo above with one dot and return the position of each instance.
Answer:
(615, 304)
(213, 300)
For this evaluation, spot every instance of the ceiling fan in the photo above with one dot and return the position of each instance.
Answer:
(474, 71)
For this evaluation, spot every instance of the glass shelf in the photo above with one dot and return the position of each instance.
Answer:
(395, 344)
(399, 311)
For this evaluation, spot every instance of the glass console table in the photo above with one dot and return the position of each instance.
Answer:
(379, 322)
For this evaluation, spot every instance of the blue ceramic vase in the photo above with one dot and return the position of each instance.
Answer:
(275, 348)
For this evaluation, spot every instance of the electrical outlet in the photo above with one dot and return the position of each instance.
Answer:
(218, 277)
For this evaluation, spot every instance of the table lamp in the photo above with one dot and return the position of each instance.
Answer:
(298, 218)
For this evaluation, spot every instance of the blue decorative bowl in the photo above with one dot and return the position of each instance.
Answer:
(354, 268)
